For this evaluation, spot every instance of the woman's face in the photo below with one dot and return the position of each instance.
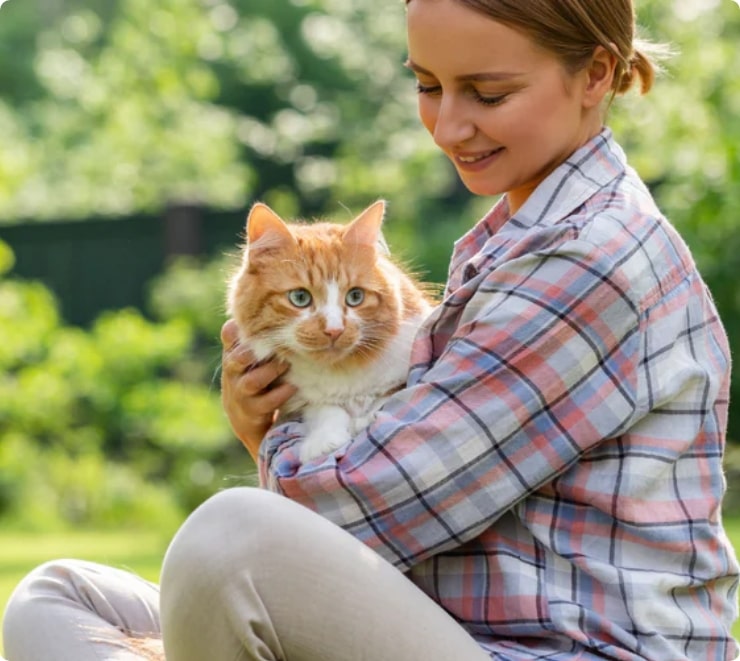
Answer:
(504, 111)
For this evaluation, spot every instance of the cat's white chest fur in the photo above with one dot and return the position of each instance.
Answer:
(336, 405)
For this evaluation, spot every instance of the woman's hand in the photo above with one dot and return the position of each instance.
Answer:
(248, 391)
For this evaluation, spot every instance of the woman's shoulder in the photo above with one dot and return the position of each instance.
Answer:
(616, 230)
(623, 223)
(622, 212)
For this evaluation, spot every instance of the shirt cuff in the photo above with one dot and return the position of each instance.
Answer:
(278, 455)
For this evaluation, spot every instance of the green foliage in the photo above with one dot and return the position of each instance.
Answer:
(103, 427)
(192, 291)
(306, 104)
(124, 105)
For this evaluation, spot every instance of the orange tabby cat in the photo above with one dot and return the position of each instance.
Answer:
(328, 299)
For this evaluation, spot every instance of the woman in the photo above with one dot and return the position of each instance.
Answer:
(549, 484)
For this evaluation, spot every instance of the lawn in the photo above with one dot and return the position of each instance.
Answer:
(140, 552)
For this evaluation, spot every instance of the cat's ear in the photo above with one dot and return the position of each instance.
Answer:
(265, 229)
(365, 229)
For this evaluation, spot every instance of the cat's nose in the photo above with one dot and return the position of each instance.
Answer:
(333, 332)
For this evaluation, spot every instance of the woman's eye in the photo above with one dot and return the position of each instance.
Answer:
(427, 89)
(490, 100)
(483, 99)
(301, 298)
(354, 297)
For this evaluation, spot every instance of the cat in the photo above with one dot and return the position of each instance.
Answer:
(328, 299)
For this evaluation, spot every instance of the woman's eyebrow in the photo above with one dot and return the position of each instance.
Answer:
(470, 77)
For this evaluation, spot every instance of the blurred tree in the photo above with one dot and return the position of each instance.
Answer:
(104, 427)
(120, 106)
(123, 116)
(123, 106)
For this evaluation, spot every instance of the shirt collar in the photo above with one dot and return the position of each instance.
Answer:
(566, 188)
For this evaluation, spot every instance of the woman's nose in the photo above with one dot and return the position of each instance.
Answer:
(453, 126)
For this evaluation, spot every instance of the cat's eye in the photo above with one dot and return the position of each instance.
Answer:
(355, 296)
(301, 298)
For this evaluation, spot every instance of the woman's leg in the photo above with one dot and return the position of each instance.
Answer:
(71, 610)
(253, 575)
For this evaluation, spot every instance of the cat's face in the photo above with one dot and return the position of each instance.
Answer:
(323, 292)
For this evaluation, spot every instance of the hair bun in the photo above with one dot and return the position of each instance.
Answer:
(643, 66)
(639, 68)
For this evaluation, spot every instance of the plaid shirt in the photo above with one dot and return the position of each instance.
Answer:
(552, 474)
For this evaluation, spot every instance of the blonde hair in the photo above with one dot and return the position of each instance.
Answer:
(146, 648)
(572, 29)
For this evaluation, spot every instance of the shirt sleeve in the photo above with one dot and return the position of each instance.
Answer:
(542, 365)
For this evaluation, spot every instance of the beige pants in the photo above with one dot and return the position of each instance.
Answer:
(250, 575)
(69, 609)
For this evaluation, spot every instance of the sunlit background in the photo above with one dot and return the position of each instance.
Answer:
(135, 135)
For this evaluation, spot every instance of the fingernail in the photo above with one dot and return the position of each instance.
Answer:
(229, 332)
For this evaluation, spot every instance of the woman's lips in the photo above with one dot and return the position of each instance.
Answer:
(478, 161)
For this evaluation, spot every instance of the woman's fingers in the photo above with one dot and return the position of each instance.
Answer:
(273, 399)
(229, 334)
(238, 361)
(251, 391)
(254, 377)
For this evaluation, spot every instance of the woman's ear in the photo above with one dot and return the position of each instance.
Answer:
(600, 74)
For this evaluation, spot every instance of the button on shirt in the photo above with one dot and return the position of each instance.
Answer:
(552, 474)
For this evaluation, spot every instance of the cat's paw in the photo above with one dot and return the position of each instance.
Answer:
(322, 442)
(328, 428)
(362, 422)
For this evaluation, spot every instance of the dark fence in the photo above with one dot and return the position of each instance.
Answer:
(95, 265)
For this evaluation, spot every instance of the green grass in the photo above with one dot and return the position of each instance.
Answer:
(732, 526)
(140, 552)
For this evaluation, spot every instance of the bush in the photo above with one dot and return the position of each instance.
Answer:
(116, 425)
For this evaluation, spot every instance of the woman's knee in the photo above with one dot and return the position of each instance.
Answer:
(242, 512)
(219, 566)
(50, 580)
(40, 590)
(238, 525)
(240, 506)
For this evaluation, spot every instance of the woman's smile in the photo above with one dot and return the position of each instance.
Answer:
(477, 161)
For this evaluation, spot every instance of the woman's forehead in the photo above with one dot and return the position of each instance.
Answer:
(446, 36)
